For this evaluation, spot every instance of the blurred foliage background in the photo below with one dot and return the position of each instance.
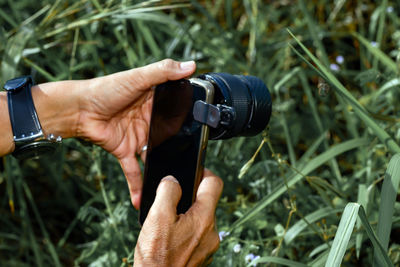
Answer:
(335, 126)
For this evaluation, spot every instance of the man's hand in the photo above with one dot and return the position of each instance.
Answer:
(116, 112)
(189, 239)
(112, 111)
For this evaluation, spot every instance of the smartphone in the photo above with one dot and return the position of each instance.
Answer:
(177, 143)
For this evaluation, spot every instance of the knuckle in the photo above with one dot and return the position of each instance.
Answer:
(200, 225)
(206, 225)
(149, 254)
(210, 223)
(161, 215)
(166, 65)
(140, 80)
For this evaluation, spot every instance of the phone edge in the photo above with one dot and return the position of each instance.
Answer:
(209, 91)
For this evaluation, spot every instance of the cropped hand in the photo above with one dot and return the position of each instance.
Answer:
(112, 111)
(189, 239)
(117, 109)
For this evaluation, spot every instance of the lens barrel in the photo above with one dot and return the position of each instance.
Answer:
(248, 96)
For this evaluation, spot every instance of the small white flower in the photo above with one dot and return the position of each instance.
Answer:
(256, 257)
(374, 44)
(340, 59)
(237, 248)
(348, 20)
(334, 67)
(222, 235)
(389, 9)
(249, 257)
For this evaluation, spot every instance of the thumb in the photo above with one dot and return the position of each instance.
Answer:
(168, 194)
(141, 79)
(208, 193)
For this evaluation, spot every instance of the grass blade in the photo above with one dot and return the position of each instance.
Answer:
(47, 240)
(277, 260)
(343, 235)
(344, 232)
(312, 165)
(333, 163)
(311, 150)
(380, 29)
(321, 248)
(11, 59)
(362, 198)
(394, 83)
(312, 27)
(42, 71)
(383, 136)
(388, 199)
(382, 57)
(282, 118)
(298, 227)
(379, 252)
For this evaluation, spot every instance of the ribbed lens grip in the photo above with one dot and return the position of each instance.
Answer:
(250, 99)
(240, 100)
(262, 105)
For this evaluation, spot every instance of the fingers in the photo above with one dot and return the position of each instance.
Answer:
(145, 77)
(131, 169)
(208, 193)
(168, 194)
(207, 197)
(202, 256)
(189, 239)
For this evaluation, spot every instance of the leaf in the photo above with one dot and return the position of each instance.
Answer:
(363, 200)
(343, 235)
(320, 248)
(299, 226)
(245, 168)
(344, 232)
(388, 199)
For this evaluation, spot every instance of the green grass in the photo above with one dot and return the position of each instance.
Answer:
(315, 188)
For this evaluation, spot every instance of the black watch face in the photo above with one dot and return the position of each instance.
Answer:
(35, 150)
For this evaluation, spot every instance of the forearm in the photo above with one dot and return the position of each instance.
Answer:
(57, 105)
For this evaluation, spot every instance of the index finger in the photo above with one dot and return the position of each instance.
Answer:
(208, 193)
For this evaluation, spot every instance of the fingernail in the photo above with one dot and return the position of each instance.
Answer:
(170, 178)
(187, 65)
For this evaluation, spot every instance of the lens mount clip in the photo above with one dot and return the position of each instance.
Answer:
(213, 115)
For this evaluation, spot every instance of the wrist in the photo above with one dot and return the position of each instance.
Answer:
(58, 106)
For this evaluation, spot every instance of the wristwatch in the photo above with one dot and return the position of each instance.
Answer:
(30, 142)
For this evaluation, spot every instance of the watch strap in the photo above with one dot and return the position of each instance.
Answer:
(24, 120)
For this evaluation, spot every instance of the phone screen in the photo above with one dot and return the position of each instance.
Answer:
(174, 144)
